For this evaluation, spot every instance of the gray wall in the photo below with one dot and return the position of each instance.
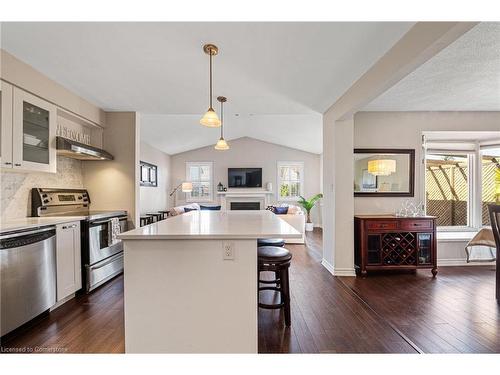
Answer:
(153, 199)
(404, 130)
(249, 152)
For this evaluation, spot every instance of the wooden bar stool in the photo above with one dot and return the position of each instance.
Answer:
(278, 242)
(275, 259)
(164, 214)
(145, 220)
(154, 216)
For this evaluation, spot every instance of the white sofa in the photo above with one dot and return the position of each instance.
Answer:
(296, 218)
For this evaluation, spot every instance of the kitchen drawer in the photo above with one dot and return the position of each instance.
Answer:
(382, 225)
(416, 224)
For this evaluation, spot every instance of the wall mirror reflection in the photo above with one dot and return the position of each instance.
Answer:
(384, 172)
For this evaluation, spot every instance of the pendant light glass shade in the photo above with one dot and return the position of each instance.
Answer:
(210, 119)
(382, 167)
(221, 145)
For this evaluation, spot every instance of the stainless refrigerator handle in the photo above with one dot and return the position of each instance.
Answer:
(110, 260)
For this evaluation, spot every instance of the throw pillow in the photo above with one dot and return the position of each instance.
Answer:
(188, 209)
(280, 210)
(210, 208)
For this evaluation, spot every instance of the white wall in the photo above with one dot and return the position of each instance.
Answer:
(404, 130)
(249, 152)
(156, 198)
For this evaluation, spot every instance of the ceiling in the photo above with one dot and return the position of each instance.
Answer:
(465, 76)
(270, 72)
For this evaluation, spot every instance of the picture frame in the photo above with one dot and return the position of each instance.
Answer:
(148, 174)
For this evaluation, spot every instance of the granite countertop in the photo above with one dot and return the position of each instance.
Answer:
(35, 222)
(216, 225)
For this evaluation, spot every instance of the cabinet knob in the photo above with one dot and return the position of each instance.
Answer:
(17, 164)
(8, 163)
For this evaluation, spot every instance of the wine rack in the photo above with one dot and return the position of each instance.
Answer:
(389, 242)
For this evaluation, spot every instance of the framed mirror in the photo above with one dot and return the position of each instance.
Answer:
(384, 172)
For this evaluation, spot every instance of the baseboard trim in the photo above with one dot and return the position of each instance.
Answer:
(328, 266)
(338, 271)
(461, 262)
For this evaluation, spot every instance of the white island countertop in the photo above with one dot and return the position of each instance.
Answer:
(215, 225)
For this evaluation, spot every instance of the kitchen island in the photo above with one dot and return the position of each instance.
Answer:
(191, 281)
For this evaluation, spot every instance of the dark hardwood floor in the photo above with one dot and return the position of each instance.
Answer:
(461, 314)
(378, 314)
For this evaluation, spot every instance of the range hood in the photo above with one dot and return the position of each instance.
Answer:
(76, 150)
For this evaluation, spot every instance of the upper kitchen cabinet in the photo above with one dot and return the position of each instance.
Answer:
(6, 122)
(33, 133)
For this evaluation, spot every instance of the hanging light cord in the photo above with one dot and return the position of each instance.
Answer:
(210, 79)
(222, 119)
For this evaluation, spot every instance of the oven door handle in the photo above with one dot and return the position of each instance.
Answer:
(94, 223)
(110, 260)
(99, 222)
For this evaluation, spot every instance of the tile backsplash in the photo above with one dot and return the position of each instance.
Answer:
(15, 188)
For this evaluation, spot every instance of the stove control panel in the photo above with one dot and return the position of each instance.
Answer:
(50, 201)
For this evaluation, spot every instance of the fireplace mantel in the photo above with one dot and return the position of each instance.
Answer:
(245, 195)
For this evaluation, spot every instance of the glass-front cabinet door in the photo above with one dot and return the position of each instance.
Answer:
(6, 121)
(34, 122)
(424, 248)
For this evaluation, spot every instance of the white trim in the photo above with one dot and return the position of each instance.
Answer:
(344, 272)
(461, 262)
(210, 164)
(328, 266)
(338, 271)
(280, 164)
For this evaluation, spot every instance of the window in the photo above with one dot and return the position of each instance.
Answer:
(490, 181)
(290, 180)
(447, 189)
(200, 175)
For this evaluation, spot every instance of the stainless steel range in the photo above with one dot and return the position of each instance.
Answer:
(102, 252)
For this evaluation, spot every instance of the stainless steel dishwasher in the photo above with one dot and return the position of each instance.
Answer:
(27, 275)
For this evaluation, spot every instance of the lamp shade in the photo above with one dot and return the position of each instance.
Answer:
(187, 187)
(221, 145)
(381, 167)
(210, 119)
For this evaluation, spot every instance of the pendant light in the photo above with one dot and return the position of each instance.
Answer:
(382, 167)
(221, 144)
(210, 118)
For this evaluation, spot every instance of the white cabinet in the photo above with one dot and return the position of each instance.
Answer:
(30, 125)
(6, 122)
(68, 259)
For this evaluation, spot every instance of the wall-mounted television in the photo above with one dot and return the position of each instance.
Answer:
(244, 177)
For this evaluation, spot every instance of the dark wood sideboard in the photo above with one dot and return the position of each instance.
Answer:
(388, 242)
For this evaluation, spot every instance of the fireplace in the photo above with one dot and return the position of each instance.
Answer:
(245, 205)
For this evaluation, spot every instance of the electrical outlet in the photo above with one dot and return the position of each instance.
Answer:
(228, 250)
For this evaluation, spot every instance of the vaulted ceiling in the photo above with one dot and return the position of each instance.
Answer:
(465, 76)
(278, 77)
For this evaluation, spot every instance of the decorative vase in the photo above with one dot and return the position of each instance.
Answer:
(309, 227)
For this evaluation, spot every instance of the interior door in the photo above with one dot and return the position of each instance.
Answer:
(34, 128)
(6, 122)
